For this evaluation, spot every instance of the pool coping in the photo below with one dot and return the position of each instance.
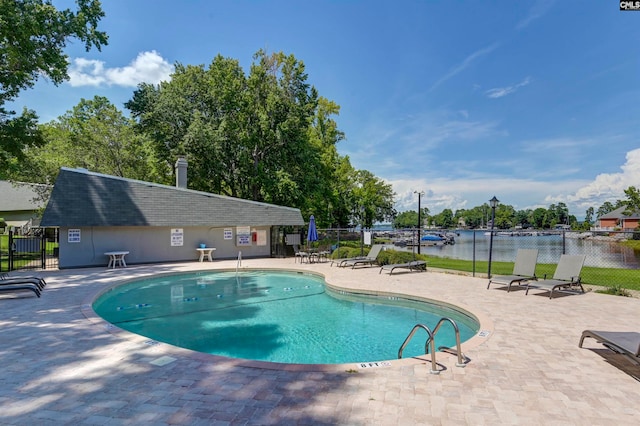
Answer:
(486, 328)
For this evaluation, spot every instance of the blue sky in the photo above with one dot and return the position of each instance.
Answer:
(535, 102)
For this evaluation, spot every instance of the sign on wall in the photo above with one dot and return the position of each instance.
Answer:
(177, 237)
(228, 233)
(261, 238)
(243, 235)
(73, 236)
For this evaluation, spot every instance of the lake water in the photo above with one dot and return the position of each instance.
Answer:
(604, 254)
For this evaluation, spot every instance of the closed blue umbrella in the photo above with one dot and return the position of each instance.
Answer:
(312, 233)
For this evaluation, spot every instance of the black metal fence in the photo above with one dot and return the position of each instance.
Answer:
(609, 259)
(37, 250)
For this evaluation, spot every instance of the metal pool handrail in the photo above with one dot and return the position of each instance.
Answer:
(415, 328)
(431, 342)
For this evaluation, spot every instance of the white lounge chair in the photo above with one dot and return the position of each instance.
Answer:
(567, 275)
(415, 265)
(524, 269)
(370, 258)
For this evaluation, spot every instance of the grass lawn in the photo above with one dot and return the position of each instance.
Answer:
(607, 277)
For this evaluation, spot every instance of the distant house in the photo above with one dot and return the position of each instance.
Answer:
(617, 219)
(18, 204)
(99, 213)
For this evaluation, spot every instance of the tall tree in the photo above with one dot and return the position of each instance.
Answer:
(94, 135)
(266, 136)
(373, 199)
(33, 35)
(633, 200)
(588, 216)
(605, 208)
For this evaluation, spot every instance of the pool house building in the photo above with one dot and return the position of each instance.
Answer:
(98, 214)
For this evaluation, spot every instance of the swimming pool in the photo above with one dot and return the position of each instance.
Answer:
(275, 316)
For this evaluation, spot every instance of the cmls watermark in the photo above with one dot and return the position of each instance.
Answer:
(630, 5)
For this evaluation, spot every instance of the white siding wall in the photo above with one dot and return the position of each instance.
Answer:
(151, 245)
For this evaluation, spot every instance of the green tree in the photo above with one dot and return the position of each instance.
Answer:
(33, 35)
(409, 219)
(588, 216)
(633, 200)
(94, 135)
(605, 208)
(538, 218)
(266, 136)
(444, 219)
(373, 199)
(505, 215)
(522, 218)
(243, 136)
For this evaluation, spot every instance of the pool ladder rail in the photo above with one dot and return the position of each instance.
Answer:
(431, 342)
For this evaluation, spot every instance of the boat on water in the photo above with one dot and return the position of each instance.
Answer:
(437, 239)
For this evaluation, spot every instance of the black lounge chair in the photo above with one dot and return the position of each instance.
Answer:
(415, 265)
(524, 269)
(12, 288)
(626, 343)
(8, 280)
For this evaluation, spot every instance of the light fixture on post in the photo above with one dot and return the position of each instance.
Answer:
(493, 203)
(420, 194)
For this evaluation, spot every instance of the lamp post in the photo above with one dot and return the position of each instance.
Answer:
(362, 209)
(420, 194)
(493, 203)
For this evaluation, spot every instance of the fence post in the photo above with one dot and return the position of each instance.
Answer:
(473, 263)
(43, 250)
(10, 250)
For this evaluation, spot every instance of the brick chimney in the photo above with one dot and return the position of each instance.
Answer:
(181, 172)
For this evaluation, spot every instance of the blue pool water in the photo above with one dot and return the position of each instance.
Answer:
(273, 316)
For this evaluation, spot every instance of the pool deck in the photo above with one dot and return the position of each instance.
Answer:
(63, 365)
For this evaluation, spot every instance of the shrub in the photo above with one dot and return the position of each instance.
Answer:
(389, 257)
(615, 290)
(344, 252)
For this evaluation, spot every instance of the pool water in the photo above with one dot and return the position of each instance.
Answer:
(274, 316)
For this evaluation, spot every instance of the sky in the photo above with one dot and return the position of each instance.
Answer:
(535, 102)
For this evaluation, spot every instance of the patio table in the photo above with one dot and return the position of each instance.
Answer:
(116, 258)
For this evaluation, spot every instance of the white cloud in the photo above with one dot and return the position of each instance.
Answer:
(499, 92)
(476, 189)
(463, 193)
(147, 67)
(539, 8)
(465, 64)
(606, 186)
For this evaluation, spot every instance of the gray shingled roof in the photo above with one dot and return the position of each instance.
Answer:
(83, 198)
(619, 214)
(17, 197)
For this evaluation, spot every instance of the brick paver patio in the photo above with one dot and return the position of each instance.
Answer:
(63, 365)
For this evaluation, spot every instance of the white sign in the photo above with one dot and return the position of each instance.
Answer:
(228, 234)
(261, 238)
(243, 235)
(243, 240)
(177, 237)
(243, 230)
(73, 236)
(367, 238)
